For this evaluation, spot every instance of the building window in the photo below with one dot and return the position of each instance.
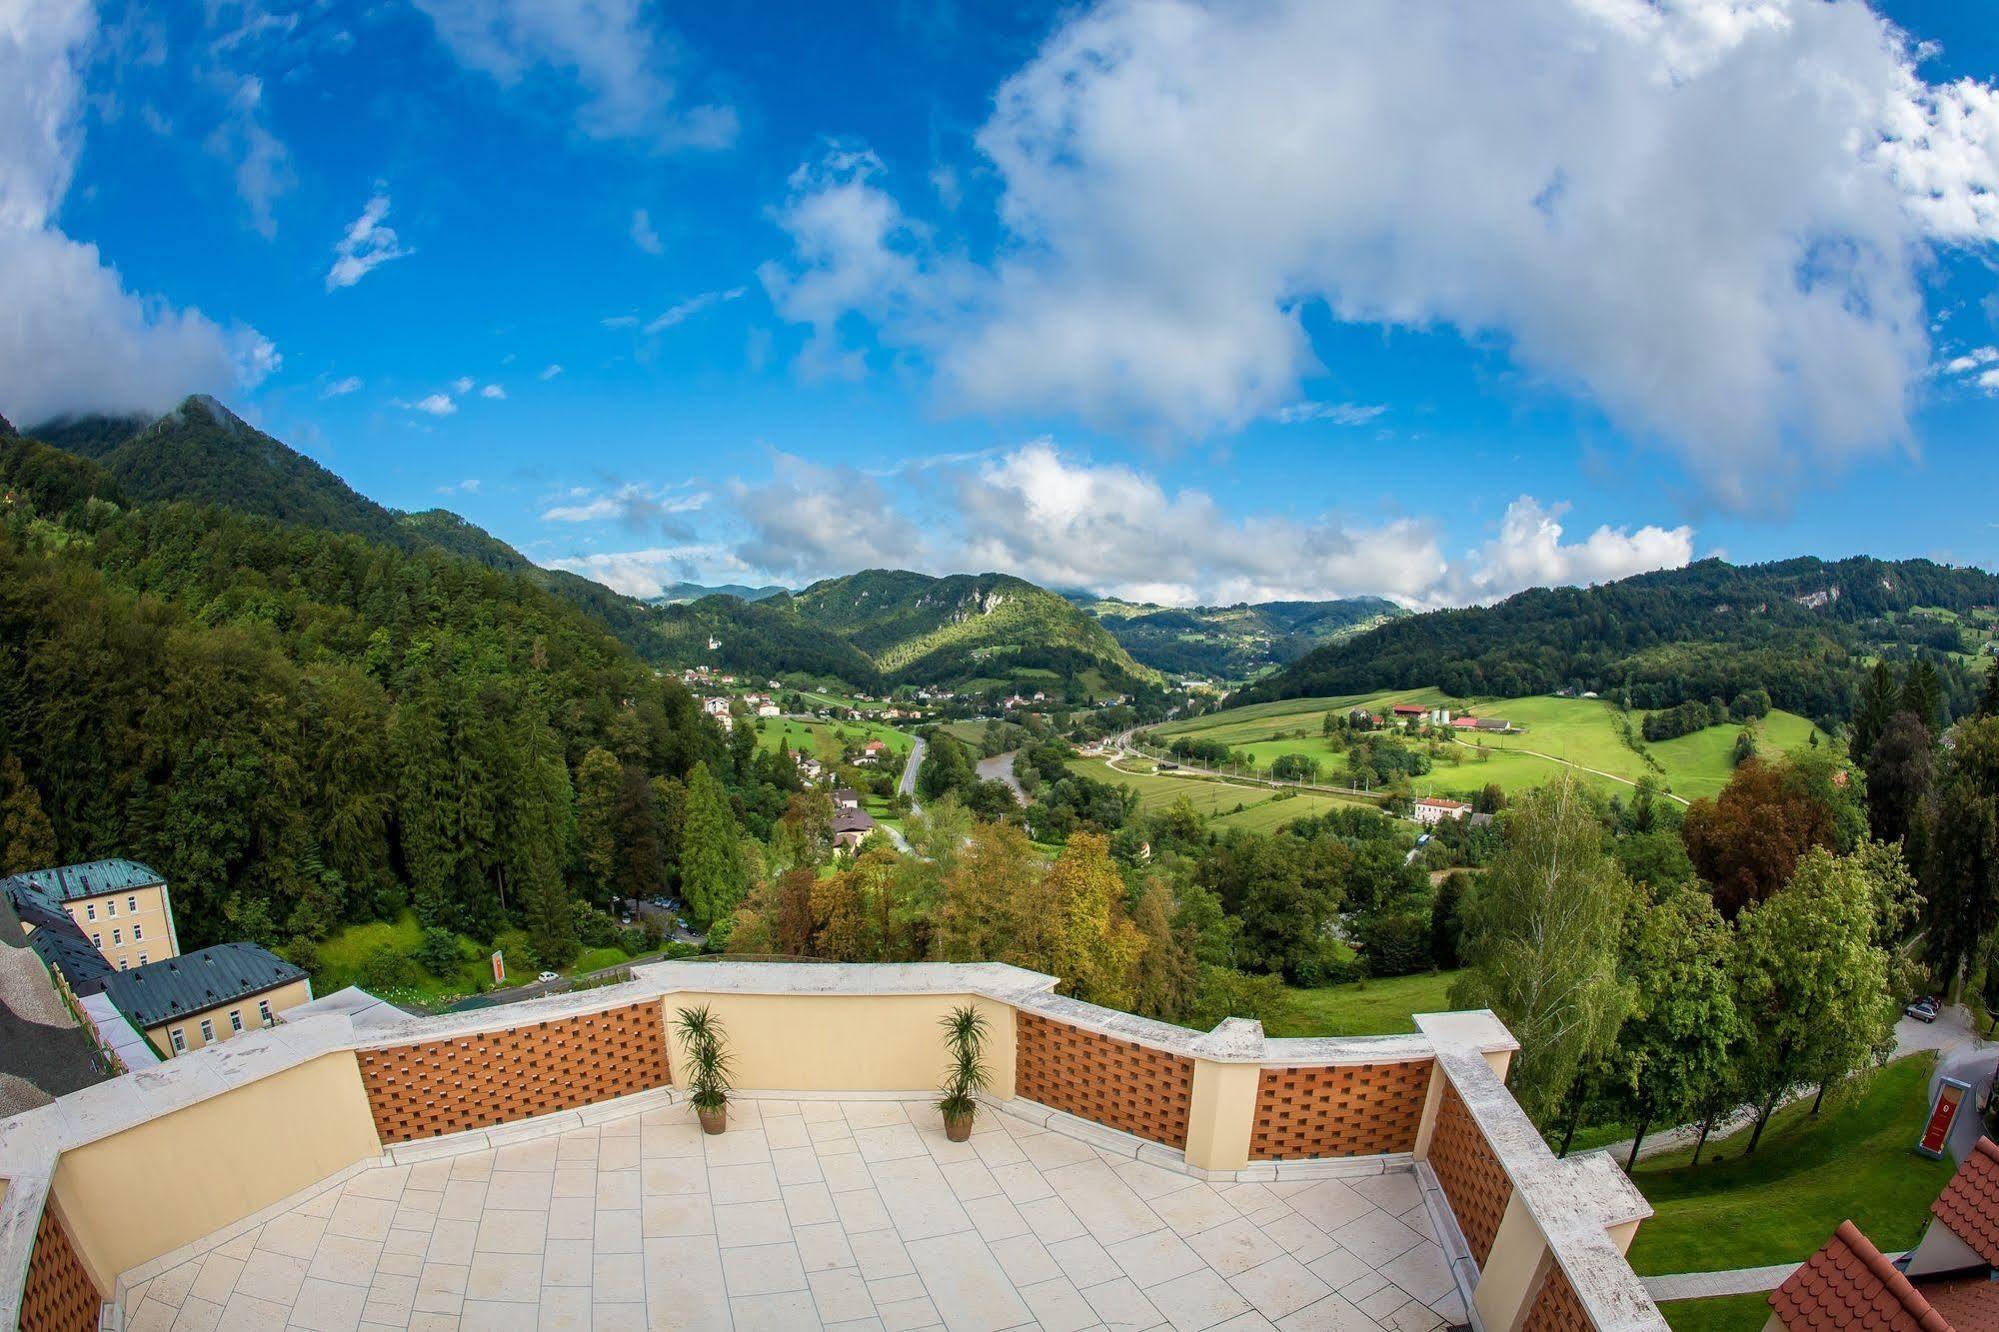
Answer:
(235, 1019)
(97, 941)
(142, 959)
(123, 965)
(207, 1031)
(117, 938)
(111, 906)
(138, 933)
(90, 911)
(179, 1039)
(264, 1011)
(132, 904)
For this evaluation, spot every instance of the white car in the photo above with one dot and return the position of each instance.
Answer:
(546, 977)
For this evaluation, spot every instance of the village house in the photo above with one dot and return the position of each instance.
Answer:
(851, 827)
(846, 798)
(1431, 810)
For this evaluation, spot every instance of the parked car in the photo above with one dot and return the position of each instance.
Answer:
(546, 977)
(1924, 1009)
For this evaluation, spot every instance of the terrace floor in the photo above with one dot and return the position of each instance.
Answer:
(807, 1213)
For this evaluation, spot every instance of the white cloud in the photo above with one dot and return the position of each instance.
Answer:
(74, 337)
(1711, 222)
(469, 486)
(632, 504)
(1339, 413)
(646, 573)
(1971, 360)
(340, 388)
(263, 169)
(810, 520)
(493, 391)
(1989, 381)
(1528, 552)
(1062, 521)
(367, 244)
(643, 234)
(462, 384)
(550, 372)
(690, 307)
(436, 404)
(616, 60)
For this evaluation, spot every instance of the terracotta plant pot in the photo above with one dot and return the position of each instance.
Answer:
(958, 1127)
(713, 1121)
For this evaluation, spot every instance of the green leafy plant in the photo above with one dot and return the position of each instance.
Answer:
(965, 1037)
(708, 1058)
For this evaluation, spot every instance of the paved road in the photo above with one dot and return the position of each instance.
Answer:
(999, 768)
(907, 785)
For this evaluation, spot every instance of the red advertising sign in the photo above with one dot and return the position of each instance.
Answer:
(1943, 1112)
(499, 967)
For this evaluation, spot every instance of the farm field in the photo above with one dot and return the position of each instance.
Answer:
(1211, 798)
(1584, 732)
(1287, 807)
(1725, 1313)
(824, 740)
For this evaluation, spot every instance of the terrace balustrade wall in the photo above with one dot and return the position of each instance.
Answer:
(121, 1180)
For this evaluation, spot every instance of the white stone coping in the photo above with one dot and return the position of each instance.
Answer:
(31, 1143)
(1573, 1201)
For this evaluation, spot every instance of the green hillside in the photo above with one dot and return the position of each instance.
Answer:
(921, 629)
(1236, 642)
(1555, 732)
(1803, 629)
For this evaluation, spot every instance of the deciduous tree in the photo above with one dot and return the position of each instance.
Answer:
(1541, 942)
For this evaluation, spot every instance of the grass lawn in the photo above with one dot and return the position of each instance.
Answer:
(343, 954)
(1155, 792)
(1363, 1008)
(1853, 1162)
(1281, 808)
(1700, 764)
(1727, 1313)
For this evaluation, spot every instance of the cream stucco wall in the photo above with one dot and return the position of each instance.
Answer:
(282, 998)
(109, 919)
(137, 1194)
(843, 1042)
(1513, 1269)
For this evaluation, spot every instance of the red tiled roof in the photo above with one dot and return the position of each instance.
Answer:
(1410, 709)
(1847, 1286)
(1967, 1303)
(1969, 1204)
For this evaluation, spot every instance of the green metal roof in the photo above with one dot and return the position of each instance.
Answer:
(175, 987)
(66, 883)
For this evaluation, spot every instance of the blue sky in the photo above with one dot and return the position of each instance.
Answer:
(1176, 301)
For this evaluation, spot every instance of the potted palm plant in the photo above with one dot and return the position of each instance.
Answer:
(965, 1038)
(708, 1066)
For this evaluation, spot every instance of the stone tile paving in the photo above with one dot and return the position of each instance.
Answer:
(856, 1214)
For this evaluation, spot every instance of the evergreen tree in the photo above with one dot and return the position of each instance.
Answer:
(1876, 704)
(1900, 771)
(598, 778)
(1961, 870)
(1988, 702)
(27, 838)
(1922, 694)
(1166, 979)
(712, 875)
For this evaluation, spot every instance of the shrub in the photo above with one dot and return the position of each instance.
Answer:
(439, 953)
(387, 969)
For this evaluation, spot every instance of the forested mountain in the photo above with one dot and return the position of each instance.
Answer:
(302, 727)
(203, 453)
(1232, 642)
(965, 626)
(756, 639)
(1800, 628)
(674, 594)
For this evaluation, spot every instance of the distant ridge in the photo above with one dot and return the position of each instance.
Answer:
(675, 594)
